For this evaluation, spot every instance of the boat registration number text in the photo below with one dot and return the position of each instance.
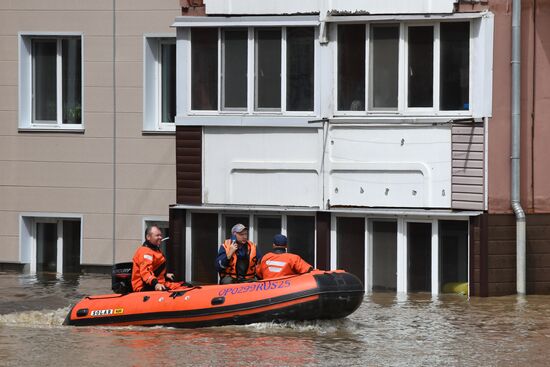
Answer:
(258, 287)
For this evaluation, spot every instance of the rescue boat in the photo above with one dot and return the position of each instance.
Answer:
(315, 295)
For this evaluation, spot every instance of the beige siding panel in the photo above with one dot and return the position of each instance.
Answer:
(475, 172)
(129, 48)
(97, 23)
(467, 147)
(8, 100)
(140, 5)
(468, 167)
(467, 205)
(8, 122)
(467, 163)
(470, 139)
(56, 148)
(8, 73)
(149, 150)
(98, 99)
(98, 74)
(58, 5)
(465, 180)
(478, 156)
(130, 74)
(97, 251)
(8, 48)
(132, 23)
(10, 223)
(129, 99)
(467, 130)
(98, 49)
(129, 227)
(125, 250)
(97, 226)
(99, 125)
(146, 176)
(56, 174)
(474, 189)
(10, 248)
(467, 197)
(59, 200)
(129, 125)
(145, 202)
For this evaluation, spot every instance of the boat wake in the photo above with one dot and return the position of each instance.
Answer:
(43, 318)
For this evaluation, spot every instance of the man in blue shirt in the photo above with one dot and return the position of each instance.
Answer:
(237, 257)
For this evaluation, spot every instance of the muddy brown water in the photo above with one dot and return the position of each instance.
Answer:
(387, 330)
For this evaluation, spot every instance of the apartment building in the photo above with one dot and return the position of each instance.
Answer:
(356, 128)
(87, 149)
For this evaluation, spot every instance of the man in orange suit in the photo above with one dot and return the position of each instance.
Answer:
(279, 262)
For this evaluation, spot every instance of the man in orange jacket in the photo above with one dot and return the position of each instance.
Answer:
(279, 262)
(149, 269)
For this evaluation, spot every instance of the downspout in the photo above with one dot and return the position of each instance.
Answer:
(114, 132)
(516, 124)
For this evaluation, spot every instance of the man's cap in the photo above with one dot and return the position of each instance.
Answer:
(280, 240)
(238, 228)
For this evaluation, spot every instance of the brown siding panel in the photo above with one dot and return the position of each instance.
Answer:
(497, 262)
(468, 166)
(189, 165)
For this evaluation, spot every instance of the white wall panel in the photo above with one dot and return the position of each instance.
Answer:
(389, 166)
(316, 6)
(262, 166)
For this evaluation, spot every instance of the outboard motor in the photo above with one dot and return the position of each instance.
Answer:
(121, 278)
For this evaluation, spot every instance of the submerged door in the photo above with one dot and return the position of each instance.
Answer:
(57, 245)
(350, 233)
(46, 246)
(384, 255)
(419, 237)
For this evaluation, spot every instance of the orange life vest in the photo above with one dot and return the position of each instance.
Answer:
(279, 264)
(231, 269)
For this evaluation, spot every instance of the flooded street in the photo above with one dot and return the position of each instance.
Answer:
(386, 330)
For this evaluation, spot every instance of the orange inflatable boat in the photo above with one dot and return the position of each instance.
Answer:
(315, 295)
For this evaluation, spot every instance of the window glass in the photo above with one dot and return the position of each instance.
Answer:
(71, 82)
(204, 66)
(168, 81)
(384, 66)
(420, 71)
(268, 68)
(301, 237)
(235, 68)
(351, 67)
(299, 69)
(455, 66)
(45, 80)
(266, 229)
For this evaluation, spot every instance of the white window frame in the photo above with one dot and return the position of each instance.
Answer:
(27, 236)
(152, 82)
(26, 83)
(251, 110)
(402, 100)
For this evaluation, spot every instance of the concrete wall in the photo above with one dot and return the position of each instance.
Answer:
(535, 108)
(54, 172)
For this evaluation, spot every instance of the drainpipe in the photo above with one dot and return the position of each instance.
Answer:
(516, 205)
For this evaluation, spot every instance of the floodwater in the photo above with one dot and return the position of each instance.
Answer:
(387, 330)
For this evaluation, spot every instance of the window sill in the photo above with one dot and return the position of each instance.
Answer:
(248, 120)
(53, 129)
(159, 132)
